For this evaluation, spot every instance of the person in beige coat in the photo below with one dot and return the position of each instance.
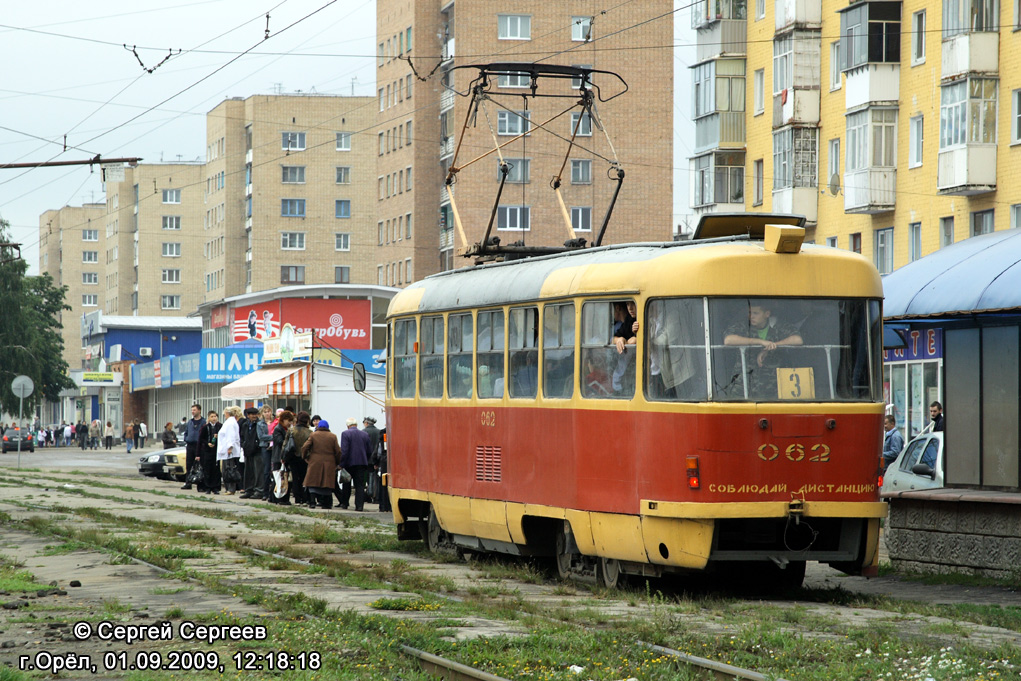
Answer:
(322, 452)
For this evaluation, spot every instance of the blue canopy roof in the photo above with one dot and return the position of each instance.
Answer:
(980, 274)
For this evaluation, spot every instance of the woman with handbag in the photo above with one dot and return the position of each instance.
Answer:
(207, 454)
(228, 448)
(284, 423)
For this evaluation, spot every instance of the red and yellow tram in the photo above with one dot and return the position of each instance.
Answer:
(517, 425)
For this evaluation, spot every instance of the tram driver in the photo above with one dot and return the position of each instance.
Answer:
(759, 331)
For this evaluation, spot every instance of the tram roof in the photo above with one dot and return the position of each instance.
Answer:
(708, 267)
(980, 274)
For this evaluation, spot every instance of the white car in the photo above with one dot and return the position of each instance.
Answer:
(919, 466)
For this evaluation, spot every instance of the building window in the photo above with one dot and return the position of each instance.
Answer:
(831, 241)
(982, 222)
(292, 274)
(870, 33)
(946, 231)
(581, 218)
(582, 122)
(581, 29)
(965, 16)
(342, 208)
(856, 156)
(834, 162)
(783, 64)
(90, 299)
(512, 122)
(1015, 216)
(343, 175)
(292, 241)
(292, 208)
(884, 250)
(1015, 115)
(854, 242)
(293, 174)
(292, 141)
(835, 65)
(918, 38)
(343, 141)
(342, 241)
(407, 179)
(514, 27)
(581, 171)
(171, 196)
(719, 178)
(90, 256)
(341, 275)
(170, 302)
(518, 170)
(760, 91)
(759, 172)
(407, 270)
(90, 235)
(915, 240)
(171, 250)
(915, 141)
(90, 277)
(967, 113)
(760, 9)
(513, 217)
(172, 222)
(171, 276)
(407, 226)
(407, 128)
(795, 158)
(884, 138)
(515, 79)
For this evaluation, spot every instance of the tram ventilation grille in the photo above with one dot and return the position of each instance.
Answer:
(488, 463)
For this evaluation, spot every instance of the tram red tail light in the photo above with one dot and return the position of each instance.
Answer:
(694, 482)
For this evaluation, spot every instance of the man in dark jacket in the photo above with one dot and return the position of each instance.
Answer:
(354, 456)
(373, 432)
(253, 457)
(191, 441)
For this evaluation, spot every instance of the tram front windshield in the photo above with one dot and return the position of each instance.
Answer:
(763, 349)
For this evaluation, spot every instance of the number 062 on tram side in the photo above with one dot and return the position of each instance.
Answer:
(645, 408)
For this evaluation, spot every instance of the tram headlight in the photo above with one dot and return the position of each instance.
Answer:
(694, 482)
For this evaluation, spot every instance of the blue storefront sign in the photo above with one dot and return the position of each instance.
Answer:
(374, 360)
(143, 376)
(919, 344)
(186, 368)
(228, 364)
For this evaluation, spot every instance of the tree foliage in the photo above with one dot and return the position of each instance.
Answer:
(30, 340)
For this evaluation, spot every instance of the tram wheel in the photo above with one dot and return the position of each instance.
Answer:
(563, 557)
(433, 533)
(607, 572)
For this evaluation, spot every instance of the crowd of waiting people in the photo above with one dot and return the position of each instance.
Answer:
(283, 458)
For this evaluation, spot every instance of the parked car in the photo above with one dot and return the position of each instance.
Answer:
(12, 436)
(919, 466)
(166, 464)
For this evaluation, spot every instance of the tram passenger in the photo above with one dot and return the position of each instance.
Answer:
(758, 331)
(625, 328)
(526, 373)
(597, 381)
(674, 368)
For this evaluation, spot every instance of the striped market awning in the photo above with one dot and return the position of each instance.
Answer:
(293, 378)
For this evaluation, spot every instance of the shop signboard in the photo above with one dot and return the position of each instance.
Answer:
(222, 365)
(336, 323)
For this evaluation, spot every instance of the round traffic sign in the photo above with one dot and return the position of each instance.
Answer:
(22, 386)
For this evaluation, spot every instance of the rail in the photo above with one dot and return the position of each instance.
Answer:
(448, 669)
(719, 669)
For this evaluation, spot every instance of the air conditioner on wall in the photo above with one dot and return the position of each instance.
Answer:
(145, 352)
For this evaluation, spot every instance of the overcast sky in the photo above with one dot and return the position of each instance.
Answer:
(69, 74)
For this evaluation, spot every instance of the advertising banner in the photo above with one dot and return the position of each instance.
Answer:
(186, 368)
(374, 360)
(336, 323)
(287, 346)
(222, 365)
(218, 317)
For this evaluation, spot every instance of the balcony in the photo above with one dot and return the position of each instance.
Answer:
(871, 83)
(446, 100)
(802, 13)
(448, 49)
(722, 130)
(248, 156)
(447, 147)
(726, 36)
(970, 53)
(446, 238)
(797, 200)
(967, 170)
(870, 191)
(795, 106)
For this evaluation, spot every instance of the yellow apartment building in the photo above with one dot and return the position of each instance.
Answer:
(288, 188)
(72, 244)
(892, 126)
(422, 108)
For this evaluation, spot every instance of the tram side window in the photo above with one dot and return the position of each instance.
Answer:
(489, 352)
(605, 373)
(558, 351)
(432, 357)
(404, 358)
(674, 332)
(459, 355)
(524, 355)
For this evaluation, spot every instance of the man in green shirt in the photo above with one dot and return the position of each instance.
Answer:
(757, 331)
